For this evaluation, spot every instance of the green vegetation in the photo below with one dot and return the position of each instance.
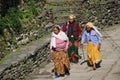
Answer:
(33, 7)
(13, 22)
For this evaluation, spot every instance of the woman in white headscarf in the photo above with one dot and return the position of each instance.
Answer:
(93, 37)
(58, 46)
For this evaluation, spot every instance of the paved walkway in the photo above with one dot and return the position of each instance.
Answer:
(110, 66)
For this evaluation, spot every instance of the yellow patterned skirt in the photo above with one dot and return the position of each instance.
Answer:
(61, 61)
(93, 53)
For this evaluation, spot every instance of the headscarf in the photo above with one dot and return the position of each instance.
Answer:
(72, 16)
(57, 26)
(90, 24)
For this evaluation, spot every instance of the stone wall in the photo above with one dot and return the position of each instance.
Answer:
(103, 13)
(19, 65)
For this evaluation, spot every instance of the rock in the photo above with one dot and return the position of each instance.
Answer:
(23, 41)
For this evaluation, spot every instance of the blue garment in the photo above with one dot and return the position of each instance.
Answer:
(68, 27)
(92, 36)
(68, 30)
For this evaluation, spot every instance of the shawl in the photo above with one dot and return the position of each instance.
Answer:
(61, 35)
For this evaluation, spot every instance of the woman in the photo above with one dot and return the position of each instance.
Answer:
(93, 37)
(58, 46)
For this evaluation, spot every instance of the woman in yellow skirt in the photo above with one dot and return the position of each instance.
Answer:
(93, 37)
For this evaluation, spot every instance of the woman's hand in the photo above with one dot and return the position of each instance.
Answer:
(51, 53)
(65, 50)
(79, 38)
(99, 46)
(70, 44)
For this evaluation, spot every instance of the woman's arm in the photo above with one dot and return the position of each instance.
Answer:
(99, 41)
(67, 44)
(83, 39)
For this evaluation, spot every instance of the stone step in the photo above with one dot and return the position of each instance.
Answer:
(63, 18)
(61, 23)
(59, 1)
(66, 8)
(65, 15)
(62, 5)
(43, 76)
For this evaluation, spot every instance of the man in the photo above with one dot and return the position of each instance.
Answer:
(73, 31)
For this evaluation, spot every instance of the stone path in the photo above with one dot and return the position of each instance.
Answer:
(110, 66)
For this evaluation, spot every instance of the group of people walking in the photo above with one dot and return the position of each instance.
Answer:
(65, 42)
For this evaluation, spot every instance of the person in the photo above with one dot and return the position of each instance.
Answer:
(73, 31)
(93, 37)
(58, 46)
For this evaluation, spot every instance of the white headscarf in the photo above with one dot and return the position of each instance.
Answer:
(90, 24)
